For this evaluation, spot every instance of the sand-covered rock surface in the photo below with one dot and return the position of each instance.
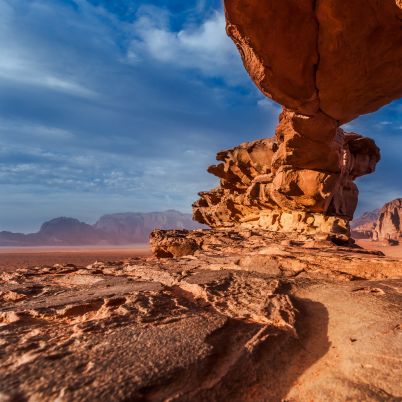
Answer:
(244, 316)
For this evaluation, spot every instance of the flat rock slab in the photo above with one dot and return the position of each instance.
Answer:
(278, 254)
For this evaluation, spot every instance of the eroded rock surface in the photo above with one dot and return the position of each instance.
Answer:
(341, 58)
(276, 185)
(249, 315)
(283, 253)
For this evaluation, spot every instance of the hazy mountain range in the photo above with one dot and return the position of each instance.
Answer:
(129, 228)
(115, 229)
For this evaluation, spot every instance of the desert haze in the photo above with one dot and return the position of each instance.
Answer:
(115, 229)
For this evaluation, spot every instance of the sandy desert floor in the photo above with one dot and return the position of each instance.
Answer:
(389, 251)
(246, 317)
(12, 258)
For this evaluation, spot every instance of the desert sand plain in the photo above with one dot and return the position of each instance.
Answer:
(389, 251)
(12, 258)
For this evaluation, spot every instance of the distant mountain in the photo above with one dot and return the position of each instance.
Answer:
(133, 227)
(362, 226)
(71, 231)
(116, 229)
(57, 232)
(383, 224)
(388, 226)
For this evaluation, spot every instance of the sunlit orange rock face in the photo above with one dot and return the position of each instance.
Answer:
(326, 62)
(269, 184)
(343, 58)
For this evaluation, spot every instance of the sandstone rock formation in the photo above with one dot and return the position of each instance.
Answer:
(388, 227)
(247, 315)
(315, 59)
(342, 59)
(280, 254)
(274, 184)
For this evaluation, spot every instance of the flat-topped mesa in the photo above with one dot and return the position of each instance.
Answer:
(326, 62)
(292, 182)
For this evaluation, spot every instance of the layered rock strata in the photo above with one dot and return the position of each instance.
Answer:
(279, 254)
(315, 59)
(272, 184)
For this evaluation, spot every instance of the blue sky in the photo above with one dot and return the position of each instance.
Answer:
(120, 105)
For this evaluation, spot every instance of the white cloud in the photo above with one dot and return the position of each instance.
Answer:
(28, 71)
(41, 132)
(269, 104)
(205, 48)
(146, 143)
(22, 62)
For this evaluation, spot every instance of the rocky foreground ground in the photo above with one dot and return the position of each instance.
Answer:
(229, 316)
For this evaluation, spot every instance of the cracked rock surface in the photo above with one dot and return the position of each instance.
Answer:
(244, 316)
